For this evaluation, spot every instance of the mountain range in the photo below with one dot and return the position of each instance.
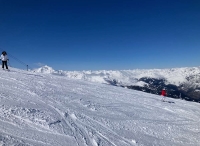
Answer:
(181, 83)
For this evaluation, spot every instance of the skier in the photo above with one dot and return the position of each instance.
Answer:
(4, 59)
(164, 94)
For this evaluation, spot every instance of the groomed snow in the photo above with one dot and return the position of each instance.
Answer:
(48, 110)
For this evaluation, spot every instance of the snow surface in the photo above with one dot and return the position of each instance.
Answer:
(38, 109)
(176, 76)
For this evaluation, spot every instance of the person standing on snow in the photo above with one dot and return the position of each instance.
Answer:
(4, 59)
(164, 94)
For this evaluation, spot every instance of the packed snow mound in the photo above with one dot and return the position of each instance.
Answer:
(48, 110)
(175, 76)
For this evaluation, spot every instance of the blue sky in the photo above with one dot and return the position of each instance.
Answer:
(101, 34)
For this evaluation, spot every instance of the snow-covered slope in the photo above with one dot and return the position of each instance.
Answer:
(47, 110)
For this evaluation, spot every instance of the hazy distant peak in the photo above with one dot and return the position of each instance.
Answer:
(45, 69)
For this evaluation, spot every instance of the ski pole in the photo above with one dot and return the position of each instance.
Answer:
(9, 64)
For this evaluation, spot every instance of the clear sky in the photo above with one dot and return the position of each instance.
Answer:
(101, 34)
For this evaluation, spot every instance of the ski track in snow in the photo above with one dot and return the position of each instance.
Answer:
(42, 109)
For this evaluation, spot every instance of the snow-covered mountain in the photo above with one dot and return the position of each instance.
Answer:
(38, 109)
(185, 81)
(45, 69)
